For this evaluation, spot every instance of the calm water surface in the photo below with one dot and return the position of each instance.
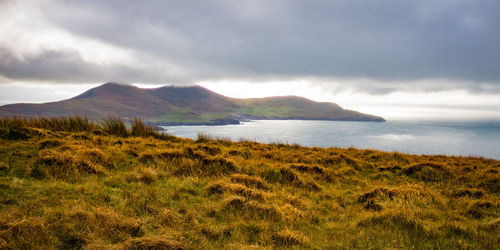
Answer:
(451, 138)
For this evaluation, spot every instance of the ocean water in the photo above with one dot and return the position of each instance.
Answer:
(415, 137)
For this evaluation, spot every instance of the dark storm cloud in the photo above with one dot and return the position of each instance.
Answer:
(68, 66)
(387, 40)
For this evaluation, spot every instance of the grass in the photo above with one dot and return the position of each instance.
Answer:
(74, 183)
(266, 111)
(187, 116)
(22, 128)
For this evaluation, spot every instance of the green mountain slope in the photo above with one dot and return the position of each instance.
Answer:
(184, 105)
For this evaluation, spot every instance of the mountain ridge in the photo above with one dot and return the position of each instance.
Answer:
(192, 105)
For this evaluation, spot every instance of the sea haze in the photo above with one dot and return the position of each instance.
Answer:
(415, 137)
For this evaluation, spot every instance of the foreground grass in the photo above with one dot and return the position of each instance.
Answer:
(105, 186)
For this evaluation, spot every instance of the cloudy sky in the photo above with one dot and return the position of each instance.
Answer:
(401, 59)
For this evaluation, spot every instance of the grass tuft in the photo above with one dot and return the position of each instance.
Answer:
(376, 192)
(250, 181)
(289, 238)
(114, 125)
(480, 208)
(156, 242)
(234, 203)
(221, 187)
(428, 171)
(468, 192)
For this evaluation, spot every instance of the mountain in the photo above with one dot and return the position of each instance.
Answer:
(184, 105)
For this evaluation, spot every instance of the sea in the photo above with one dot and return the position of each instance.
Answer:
(463, 138)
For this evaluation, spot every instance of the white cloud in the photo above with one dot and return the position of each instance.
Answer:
(40, 92)
(26, 32)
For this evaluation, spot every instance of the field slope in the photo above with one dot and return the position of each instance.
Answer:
(183, 105)
(75, 184)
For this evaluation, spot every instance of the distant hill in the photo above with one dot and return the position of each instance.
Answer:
(184, 105)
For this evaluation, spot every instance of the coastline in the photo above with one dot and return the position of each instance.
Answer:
(222, 122)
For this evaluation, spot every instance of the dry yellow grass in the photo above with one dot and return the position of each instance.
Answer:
(74, 184)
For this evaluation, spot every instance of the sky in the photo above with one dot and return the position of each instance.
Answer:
(410, 59)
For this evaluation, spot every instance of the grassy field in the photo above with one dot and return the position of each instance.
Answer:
(72, 183)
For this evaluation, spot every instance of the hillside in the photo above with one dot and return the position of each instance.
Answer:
(70, 183)
(183, 105)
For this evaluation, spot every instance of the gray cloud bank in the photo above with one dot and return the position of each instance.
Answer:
(69, 66)
(387, 41)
